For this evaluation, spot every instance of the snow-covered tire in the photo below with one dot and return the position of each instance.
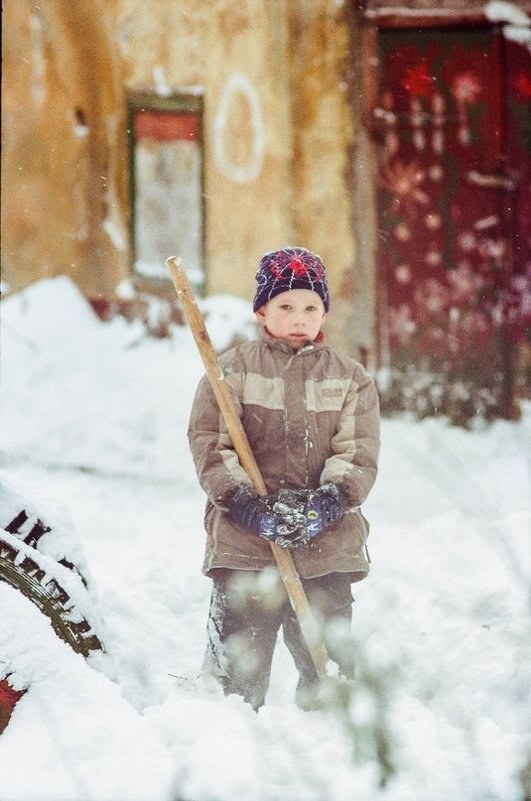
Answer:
(23, 568)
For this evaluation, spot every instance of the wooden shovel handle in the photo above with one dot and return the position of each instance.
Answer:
(222, 392)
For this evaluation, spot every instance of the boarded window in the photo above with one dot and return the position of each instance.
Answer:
(166, 185)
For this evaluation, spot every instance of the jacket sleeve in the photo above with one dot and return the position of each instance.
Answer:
(217, 465)
(355, 445)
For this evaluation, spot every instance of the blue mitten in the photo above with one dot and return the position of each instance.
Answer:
(324, 507)
(319, 508)
(292, 518)
(246, 507)
(259, 514)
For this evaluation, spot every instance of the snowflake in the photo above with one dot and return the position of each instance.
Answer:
(401, 324)
(467, 241)
(464, 283)
(403, 181)
(466, 87)
(431, 297)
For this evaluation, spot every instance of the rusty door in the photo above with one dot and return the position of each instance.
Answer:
(454, 217)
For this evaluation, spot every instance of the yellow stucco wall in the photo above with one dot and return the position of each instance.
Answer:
(322, 131)
(62, 160)
(271, 74)
(233, 52)
(277, 131)
(321, 73)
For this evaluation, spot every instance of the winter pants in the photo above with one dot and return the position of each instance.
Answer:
(247, 610)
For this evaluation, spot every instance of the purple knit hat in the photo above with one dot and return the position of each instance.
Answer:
(290, 268)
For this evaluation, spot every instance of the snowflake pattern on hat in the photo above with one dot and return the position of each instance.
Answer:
(290, 268)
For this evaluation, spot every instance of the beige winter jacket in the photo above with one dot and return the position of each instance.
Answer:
(311, 417)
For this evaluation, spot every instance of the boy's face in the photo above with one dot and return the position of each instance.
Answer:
(295, 316)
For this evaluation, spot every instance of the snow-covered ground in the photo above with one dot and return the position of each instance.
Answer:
(94, 421)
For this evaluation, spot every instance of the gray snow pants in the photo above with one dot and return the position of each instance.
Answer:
(247, 610)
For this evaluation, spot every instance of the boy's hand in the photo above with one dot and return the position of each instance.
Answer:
(281, 525)
(321, 508)
(324, 507)
(291, 519)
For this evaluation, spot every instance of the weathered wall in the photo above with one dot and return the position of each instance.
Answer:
(63, 188)
(323, 137)
(234, 51)
(322, 130)
(277, 131)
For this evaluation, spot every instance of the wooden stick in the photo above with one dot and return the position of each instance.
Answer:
(222, 392)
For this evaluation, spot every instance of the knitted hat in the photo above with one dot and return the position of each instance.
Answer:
(290, 268)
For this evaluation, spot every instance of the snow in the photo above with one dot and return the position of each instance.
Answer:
(518, 28)
(502, 11)
(93, 430)
(161, 85)
(125, 289)
(115, 234)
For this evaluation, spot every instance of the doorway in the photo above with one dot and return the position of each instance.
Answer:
(451, 126)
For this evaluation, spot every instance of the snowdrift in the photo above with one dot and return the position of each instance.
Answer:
(93, 424)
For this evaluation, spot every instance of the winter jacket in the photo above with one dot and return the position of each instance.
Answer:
(311, 417)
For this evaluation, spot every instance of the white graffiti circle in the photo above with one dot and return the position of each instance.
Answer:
(239, 173)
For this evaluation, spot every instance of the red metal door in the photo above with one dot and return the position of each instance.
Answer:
(454, 217)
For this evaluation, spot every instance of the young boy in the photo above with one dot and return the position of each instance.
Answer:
(312, 419)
